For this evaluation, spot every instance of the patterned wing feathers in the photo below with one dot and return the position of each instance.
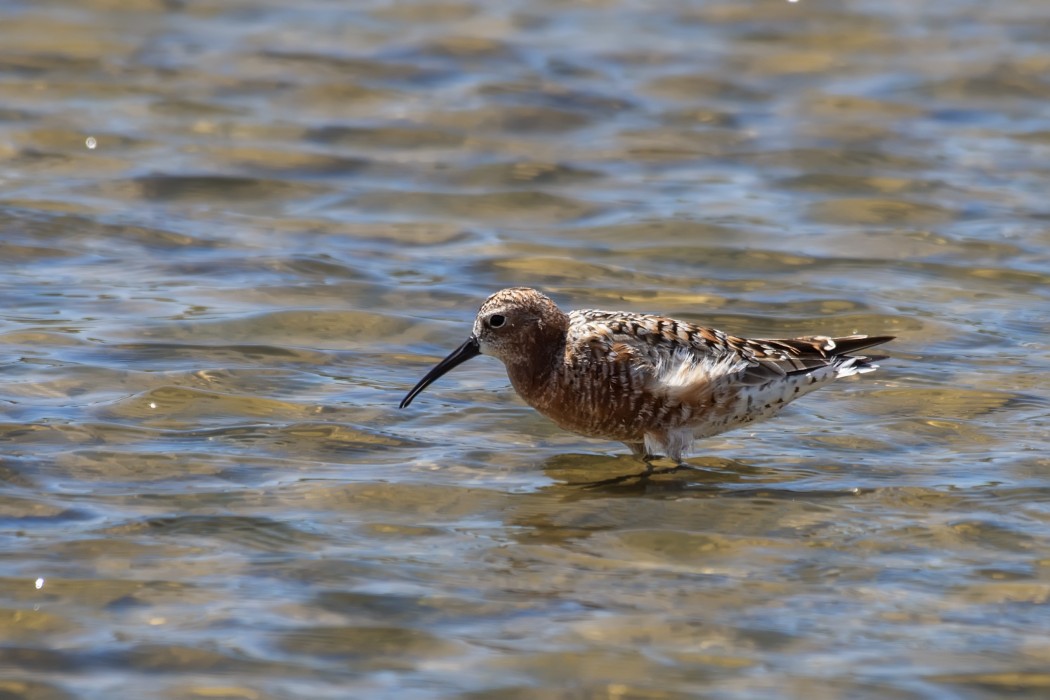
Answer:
(658, 341)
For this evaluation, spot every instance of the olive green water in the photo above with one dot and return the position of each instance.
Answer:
(233, 234)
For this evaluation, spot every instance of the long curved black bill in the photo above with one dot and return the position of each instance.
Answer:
(457, 357)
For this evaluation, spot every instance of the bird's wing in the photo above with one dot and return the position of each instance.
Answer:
(773, 358)
(651, 346)
(657, 344)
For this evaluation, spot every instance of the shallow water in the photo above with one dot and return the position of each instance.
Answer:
(235, 233)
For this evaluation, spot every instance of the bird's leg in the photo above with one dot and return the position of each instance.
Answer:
(639, 452)
(637, 449)
(649, 468)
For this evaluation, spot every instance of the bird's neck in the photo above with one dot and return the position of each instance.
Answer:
(534, 372)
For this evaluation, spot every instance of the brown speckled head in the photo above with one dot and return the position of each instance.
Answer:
(518, 325)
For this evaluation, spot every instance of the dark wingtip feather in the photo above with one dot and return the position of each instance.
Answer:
(792, 356)
(853, 343)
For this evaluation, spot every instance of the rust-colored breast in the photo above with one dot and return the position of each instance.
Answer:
(597, 387)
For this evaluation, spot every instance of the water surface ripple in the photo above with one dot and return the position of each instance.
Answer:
(234, 234)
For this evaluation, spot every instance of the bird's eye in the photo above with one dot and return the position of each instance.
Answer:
(497, 320)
